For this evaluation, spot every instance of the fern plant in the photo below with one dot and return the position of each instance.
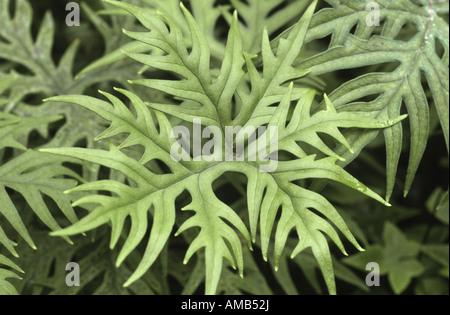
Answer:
(211, 100)
(207, 68)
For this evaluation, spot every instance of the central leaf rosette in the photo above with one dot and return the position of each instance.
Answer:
(237, 144)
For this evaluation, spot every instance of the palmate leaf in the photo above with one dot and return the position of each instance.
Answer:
(419, 65)
(150, 194)
(160, 191)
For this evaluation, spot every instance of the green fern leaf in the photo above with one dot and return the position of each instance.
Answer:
(418, 62)
(17, 174)
(34, 175)
(149, 194)
(160, 191)
(48, 78)
(19, 47)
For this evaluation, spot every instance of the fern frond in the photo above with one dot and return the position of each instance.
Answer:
(22, 174)
(205, 13)
(149, 194)
(34, 175)
(48, 78)
(419, 64)
(18, 46)
(196, 88)
(158, 192)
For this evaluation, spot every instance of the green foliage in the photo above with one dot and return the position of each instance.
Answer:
(7, 288)
(34, 175)
(102, 171)
(397, 258)
(394, 87)
(97, 262)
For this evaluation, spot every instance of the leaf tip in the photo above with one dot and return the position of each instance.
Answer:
(235, 16)
(402, 117)
(388, 197)
(128, 283)
(406, 192)
(265, 257)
